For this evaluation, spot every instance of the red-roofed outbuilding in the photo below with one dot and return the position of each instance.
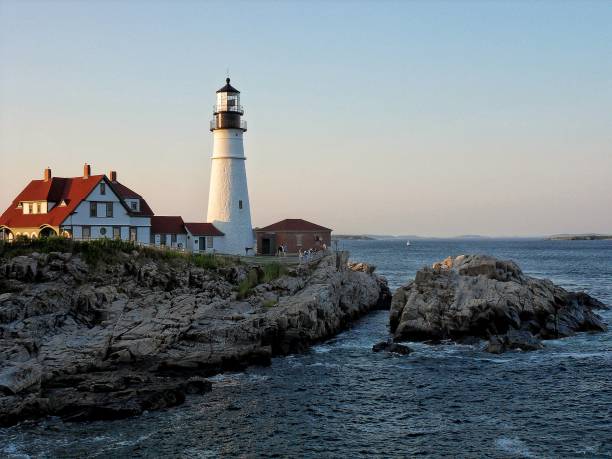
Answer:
(293, 233)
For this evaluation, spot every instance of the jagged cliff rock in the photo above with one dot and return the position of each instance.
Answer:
(139, 334)
(480, 296)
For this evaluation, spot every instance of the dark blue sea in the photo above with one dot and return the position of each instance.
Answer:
(341, 400)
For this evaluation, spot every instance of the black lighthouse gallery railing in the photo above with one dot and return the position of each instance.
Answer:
(222, 124)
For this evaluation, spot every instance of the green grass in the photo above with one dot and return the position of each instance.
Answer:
(206, 261)
(245, 287)
(92, 251)
(273, 271)
(270, 303)
(267, 273)
(108, 251)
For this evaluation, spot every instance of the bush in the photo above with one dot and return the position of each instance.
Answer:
(23, 245)
(103, 250)
(246, 285)
(108, 250)
(206, 261)
(273, 271)
(270, 303)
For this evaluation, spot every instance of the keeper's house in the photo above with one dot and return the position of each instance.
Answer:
(295, 233)
(85, 207)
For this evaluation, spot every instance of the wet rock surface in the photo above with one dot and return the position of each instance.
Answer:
(478, 296)
(391, 347)
(112, 341)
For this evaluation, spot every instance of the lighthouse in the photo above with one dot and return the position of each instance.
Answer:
(228, 200)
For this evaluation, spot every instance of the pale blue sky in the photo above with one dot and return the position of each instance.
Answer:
(431, 118)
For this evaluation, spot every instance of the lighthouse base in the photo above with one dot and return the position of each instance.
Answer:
(237, 241)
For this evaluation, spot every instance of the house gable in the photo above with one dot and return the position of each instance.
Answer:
(70, 190)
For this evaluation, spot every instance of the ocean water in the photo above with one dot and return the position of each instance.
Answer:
(342, 400)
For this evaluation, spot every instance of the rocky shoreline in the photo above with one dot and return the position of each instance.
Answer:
(110, 341)
(474, 297)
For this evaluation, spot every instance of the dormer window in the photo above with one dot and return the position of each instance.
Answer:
(38, 208)
(134, 205)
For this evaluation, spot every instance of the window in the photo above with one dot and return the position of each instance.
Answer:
(133, 233)
(93, 209)
(240, 204)
(109, 209)
(86, 232)
(116, 232)
(102, 188)
(102, 231)
(209, 242)
(162, 239)
(38, 208)
(134, 205)
(298, 239)
(173, 239)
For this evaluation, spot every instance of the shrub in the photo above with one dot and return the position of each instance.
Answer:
(273, 271)
(206, 261)
(270, 303)
(108, 251)
(247, 284)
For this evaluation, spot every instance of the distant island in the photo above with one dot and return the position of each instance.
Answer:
(580, 237)
(353, 237)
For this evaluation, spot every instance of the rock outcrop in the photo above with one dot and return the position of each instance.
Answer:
(391, 347)
(111, 341)
(480, 296)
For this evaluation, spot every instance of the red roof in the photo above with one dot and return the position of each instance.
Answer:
(294, 224)
(167, 225)
(125, 193)
(70, 190)
(203, 229)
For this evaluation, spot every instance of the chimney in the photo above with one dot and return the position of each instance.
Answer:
(86, 171)
(47, 174)
(113, 176)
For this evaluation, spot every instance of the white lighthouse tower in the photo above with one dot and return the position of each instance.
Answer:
(228, 200)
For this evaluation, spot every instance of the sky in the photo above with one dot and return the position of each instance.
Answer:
(426, 118)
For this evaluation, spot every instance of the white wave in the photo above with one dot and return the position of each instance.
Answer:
(514, 446)
(203, 454)
(225, 377)
(12, 451)
(256, 378)
(321, 349)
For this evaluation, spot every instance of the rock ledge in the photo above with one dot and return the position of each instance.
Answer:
(110, 341)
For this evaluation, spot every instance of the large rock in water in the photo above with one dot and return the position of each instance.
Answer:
(481, 296)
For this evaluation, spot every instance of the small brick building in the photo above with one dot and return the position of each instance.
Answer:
(295, 233)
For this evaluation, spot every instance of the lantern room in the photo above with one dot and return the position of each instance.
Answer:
(227, 112)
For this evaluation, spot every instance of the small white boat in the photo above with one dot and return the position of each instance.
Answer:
(407, 242)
